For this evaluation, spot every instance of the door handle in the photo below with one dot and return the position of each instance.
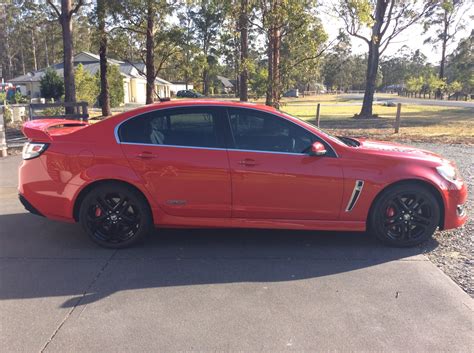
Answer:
(247, 162)
(146, 155)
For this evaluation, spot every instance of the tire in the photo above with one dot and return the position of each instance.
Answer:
(405, 215)
(115, 216)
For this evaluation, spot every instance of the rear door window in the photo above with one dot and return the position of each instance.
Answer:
(188, 127)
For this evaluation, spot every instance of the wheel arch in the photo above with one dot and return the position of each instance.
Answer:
(434, 190)
(89, 187)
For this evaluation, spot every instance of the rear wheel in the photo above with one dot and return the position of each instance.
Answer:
(115, 216)
(405, 215)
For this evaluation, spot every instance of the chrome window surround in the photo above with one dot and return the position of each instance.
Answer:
(117, 139)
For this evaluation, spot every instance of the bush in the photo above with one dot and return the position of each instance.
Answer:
(3, 97)
(86, 86)
(51, 85)
(115, 80)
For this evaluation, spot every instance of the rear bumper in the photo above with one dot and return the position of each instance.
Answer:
(44, 193)
(28, 206)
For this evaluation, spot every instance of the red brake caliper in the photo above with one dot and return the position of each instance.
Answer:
(98, 212)
(390, 212)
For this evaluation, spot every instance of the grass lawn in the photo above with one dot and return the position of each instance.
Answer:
(419, 122)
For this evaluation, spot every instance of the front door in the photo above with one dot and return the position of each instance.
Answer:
(180, 156)
(274, 177)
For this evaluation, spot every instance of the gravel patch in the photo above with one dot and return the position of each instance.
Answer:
(454, 253)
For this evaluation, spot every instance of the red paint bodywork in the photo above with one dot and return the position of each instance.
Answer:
(275, 191)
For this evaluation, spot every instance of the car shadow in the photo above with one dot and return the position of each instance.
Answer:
(56, 259)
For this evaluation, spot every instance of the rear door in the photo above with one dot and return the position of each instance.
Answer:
(181, 156)
(273, 175)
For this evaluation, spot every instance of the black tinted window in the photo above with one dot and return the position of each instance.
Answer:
(253, 130)
(194, 128)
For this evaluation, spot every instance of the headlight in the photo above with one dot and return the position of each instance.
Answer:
(33, 149)
(448, 172)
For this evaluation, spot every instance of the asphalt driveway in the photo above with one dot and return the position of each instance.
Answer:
(218, 290)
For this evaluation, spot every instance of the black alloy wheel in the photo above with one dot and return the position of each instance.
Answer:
(405, 215)
(115, 216)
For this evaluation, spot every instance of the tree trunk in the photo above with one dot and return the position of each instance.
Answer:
(269, 95)
(243, 87)
(69, 83)
(444, 44)
(276, 68)
(104, 85)
(150, 52)
(46, 52)
(33, 48)
(373, 60)
(22, 60)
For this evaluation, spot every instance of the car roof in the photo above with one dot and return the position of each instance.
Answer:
(208, 102)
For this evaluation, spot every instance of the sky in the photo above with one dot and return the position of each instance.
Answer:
(412, 37)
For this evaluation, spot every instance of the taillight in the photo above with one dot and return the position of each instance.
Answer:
(33, 149)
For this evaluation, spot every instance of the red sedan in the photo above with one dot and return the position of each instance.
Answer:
(219, 164)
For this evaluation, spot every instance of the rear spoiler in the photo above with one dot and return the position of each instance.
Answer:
(37, 130)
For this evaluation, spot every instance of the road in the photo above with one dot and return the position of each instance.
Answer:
(218, 290)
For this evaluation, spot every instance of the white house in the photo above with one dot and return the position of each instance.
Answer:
(180, 86)
(134, 82)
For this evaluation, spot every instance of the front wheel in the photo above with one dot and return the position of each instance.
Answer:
(115, 216)
(405, 215)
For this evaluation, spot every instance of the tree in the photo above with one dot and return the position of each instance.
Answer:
(104, 100)
(460, 64)
(446, 17)
(65, 19)
(277, 19)
(145, 25)
(244, 49)
(51, 85)
(207, 19)
(377, 23)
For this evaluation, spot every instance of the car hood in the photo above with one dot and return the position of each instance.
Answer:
(399, 150)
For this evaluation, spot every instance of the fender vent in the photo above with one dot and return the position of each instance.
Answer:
(355, 195)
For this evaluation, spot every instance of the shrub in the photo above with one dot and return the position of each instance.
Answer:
(115, 81)
(86, 86)
(51, 85)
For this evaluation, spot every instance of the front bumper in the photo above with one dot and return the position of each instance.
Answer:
(455, 213)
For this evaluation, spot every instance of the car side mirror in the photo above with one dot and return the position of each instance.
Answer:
(318, 149)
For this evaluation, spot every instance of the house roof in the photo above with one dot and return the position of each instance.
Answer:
(225, 81)
(90, 62)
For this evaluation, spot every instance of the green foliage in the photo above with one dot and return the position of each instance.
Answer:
(19, 98)
(116, 90)
(460, 64)
(414, 84)
(87, 88)
(434, 84)
(53, 111)
(454, 87)
(115, 80)
(3, 97)
(51, 85)
(258, 82)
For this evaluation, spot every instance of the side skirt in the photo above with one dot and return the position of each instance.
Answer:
(195, 222)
